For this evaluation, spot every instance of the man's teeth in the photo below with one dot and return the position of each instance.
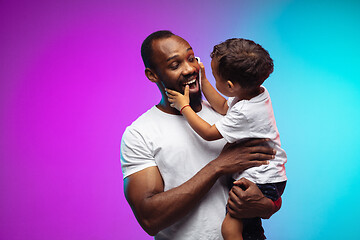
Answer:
(190, 82)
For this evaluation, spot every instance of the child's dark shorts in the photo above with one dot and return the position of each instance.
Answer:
(252, 227)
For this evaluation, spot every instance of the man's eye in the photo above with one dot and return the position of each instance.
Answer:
(191, 59)
(174, 65)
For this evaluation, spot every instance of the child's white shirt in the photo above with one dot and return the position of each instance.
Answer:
(254, 118)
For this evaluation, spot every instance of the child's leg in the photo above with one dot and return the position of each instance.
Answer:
(232, 228)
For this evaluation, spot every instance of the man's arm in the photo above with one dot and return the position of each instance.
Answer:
(247, 201)
(156, 209)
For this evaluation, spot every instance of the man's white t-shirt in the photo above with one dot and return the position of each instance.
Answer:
(254, 118)
(169, 143)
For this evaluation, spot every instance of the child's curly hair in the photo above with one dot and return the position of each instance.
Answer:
(243, 61)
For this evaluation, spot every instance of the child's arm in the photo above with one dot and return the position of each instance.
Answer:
(201, 127)
(216, 101)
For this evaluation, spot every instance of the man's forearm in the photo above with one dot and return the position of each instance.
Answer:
(156, 209)
(160, 210)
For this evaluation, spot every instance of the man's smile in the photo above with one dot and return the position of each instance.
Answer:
(192, 82)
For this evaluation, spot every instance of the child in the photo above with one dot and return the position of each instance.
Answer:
(239, 67)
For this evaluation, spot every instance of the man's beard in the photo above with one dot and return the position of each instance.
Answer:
(195, 99)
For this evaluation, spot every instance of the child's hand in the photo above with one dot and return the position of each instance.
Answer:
(177, 100)
(203, 76)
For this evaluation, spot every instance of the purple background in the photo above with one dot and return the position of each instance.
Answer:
(72, 79)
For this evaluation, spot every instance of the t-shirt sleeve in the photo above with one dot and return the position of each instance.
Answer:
(233, 126)
(135, 153)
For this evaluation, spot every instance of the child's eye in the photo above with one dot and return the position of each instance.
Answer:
(191, 58)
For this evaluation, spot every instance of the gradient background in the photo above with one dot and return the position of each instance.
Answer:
(72, 79)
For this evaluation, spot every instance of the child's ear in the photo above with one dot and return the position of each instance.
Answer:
(231, 85)
(151, 75)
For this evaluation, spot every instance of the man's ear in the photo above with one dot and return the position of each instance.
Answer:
(151, 75)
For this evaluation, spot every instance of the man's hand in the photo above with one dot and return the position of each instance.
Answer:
(245, 198)
(177, 100)
(238, 157)
(247, 201)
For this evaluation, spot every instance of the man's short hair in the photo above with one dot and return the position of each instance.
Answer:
(146, 47)
(243, 61)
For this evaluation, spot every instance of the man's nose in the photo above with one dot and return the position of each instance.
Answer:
(189, 68)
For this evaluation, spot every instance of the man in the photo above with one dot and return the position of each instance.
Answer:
(174, 181)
